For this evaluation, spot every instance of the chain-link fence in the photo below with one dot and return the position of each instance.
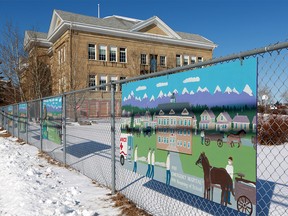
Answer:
(82, 129)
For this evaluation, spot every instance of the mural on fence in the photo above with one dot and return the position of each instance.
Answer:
(10, 116)
(22, 110)
(52, 118)
(195, 131)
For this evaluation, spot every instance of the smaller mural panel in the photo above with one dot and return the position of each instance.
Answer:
(10, 116)
(52, 119)
(22, 117)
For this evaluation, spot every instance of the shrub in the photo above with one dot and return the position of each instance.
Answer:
(273, 131)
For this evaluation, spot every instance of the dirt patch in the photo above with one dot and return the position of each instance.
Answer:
(128, 207)
(5, 135)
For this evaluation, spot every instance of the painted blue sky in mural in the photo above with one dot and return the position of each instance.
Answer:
(53, 104)
(234, 81)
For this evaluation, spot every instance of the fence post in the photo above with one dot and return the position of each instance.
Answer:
(41, 124)
(13, 122)
(27, 120)
(18, 120)
(113, 136)
(64, 127)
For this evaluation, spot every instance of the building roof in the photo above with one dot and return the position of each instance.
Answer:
(124, 27)
(176, 107)
(209, 112)
(39, 37)
(241, 119)
(116, 22)
(227, 116)
(254, 120)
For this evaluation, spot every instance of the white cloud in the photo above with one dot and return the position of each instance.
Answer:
(141, 88)
(191, 79)
(162, 84)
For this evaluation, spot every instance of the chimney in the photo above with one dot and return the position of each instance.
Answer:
(98, 10)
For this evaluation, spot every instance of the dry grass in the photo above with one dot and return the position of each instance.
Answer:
(49, 159)
(127, 206)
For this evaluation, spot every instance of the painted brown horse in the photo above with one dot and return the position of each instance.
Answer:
(233, 138)
(215, 176)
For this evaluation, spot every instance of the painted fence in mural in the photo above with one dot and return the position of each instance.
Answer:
(192, 131)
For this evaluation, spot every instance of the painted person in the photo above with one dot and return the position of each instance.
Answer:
(135, 159)
(152, 164)
(230, 170)
(168, 172)
(202, 134)
(149, 163)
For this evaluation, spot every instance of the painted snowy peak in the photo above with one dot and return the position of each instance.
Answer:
(229, 97)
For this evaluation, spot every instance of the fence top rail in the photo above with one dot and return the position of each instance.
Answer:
(240, 56)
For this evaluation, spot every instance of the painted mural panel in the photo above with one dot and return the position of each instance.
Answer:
(22, 110)
(52, 119)
(193, 131)
(10, 116)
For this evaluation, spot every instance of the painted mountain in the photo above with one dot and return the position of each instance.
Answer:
(228, 97)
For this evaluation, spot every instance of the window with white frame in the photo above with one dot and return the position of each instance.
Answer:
(61, 55)
(163, 61)
(92, 80)
(114, 79)
(186, 60)
(143, 59)
(102, 53)
(193, 59)
(103, 80)
(123, 55)
(113, 54)
(178, 60)
(91, 51)
(200, 59)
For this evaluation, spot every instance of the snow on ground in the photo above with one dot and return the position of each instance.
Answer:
(32, 186)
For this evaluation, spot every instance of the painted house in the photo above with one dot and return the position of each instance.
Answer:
(224, 122)
(207, 121)
(125, 122)
(174, 127)
(241, 122)
(137, 120)
(254, 124)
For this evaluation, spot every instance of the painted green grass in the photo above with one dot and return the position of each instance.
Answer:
(244, 158)
(53, 133)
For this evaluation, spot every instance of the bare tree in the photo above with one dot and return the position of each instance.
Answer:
(11, 53)
(262, 91)
(36, 76)
(284, 96)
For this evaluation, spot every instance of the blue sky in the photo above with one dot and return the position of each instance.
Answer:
(232, 24)
(233, 75)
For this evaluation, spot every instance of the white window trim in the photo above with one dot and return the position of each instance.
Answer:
(146, 63)
(100, 52)
(126, 55)
(165, 61)
(186, 57)
(116, 49)
(95, 48)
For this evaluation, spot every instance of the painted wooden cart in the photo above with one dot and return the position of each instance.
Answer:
(245, 194)
(218, 137)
